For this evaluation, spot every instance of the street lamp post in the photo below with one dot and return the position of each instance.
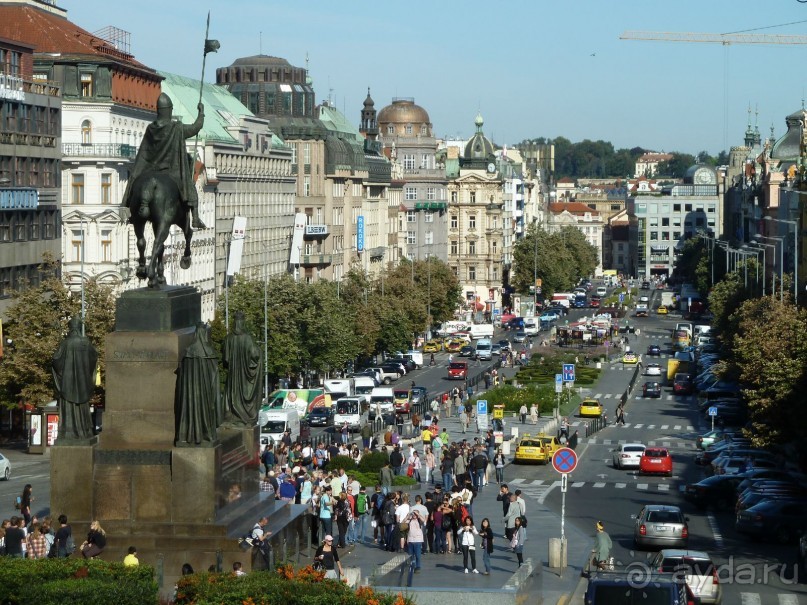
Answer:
(764, 262)
(796, 253)
(773, 264)
(781, 242)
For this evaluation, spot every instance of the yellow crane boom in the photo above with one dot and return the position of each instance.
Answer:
(724, 39)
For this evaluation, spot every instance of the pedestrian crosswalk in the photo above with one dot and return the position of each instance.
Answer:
(755, 598)
(651, 427)
(668, 443)
(667, 397)
(539, 489)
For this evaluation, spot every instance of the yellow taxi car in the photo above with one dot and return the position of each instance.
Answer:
(432, 346)
(537, 448)
(455, 346)
(590, 408)
(661, 311)
(630, 357)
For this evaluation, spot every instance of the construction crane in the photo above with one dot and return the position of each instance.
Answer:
(724, 39)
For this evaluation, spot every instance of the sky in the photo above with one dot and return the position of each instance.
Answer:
(532, 68)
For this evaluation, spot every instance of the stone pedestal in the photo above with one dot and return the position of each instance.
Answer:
(71, 470)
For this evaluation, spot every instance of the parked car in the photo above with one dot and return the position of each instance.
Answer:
(5, 468)
(717, 490)
(708, 438)
(780, 520)
(656, 460)
(651, 389)
(660, 525)
(617, 588)
(682, 384)
(754, 497)
(321, 416)
(698, 570)
(628, 455)
(654, 351)
(758, 475)
(652, 369)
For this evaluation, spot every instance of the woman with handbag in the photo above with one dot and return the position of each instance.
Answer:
(95, 543)
(328, 557)
(468, 541)
(517, 543)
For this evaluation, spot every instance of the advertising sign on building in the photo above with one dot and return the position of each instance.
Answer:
(297, 238)
(237, 237)
(360, 234)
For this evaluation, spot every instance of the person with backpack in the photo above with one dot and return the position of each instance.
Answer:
(362, 512)
(517, 541)
(376, 507)
(388, 522)
(268, 460)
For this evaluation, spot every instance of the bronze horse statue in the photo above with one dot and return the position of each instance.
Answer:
(159, 193)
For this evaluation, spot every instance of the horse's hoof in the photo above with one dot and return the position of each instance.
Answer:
(185, 262)
(141, 273)
(161, 280)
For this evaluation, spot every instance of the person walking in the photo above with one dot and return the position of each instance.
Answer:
(602, 547)
(366, 435)
(466, 534)
(518, 540)
(486, 531)
(523, 413)
(326, 509)
(386, 478)
(430, 463)
(498, 462)
(463, 419)
(25, 503)
(512, 517)
(329, 558)
(534, 414)
(447, 468)
(620, 413)
(343, 518)
(574, 439)
(414, 545)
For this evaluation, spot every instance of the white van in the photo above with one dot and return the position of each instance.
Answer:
(273, 423)
(481, 331)
(383, 397)
(338, 388)
(484, 349)
(363, 386)
(352, 410)
(531, 326)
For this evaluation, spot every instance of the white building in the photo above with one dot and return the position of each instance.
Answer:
(576, 214)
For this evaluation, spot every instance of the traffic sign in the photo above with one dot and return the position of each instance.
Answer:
(564, 460)
(713, 411)
(621, 297)
(482, 407)
(568, 372)
(558, 383)
(564, 482)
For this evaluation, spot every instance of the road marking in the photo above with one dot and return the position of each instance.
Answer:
(652, 426)
(599, 484)
(716, 532)
(543, 496)
(651, 443)
(606, 442)
(664, 427)
(516, 481)
(578, 484)
(669, 397)
(621, 442)
(598, 396)
(638, 426)
(677, 427)
(665, 443)
(788, 599)
(607, 396)
(641, 486)
(690, 427)
(537, 482)
(663, 487)
(620, 485)
(750, 598)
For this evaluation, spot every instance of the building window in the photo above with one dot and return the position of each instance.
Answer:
(473, 197)
(5, 226)
(106, 188)
(86, 85)
(454, 197)
(86, 132)
(428, 238)
(665, 236)
(293, 153)
(620, 260)
(454, 221)
(615, 207)
(409, 161)
(307, 154)
(411, 238)
(411, 216)
(431, 193)
(494, 247)
(676, 207)
(471, 221)
(472, 273)
(677, 235)
(665, 222)
(77, 188)
(408, 129)
(654, 236)
(495, 222)
(410, 193)
(76, 243)
(390, 129)
(428, 217)
(424, 161)
(495, 274)
(424, 130)
(471, 248)
(455, 248)
(306, 186)
(687, 207)
(106, 245)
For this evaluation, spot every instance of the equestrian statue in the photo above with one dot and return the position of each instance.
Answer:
(161, 189)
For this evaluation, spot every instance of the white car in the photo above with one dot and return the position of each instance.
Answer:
(601, 291)
(652, 369)
(628, 455)
(644, 299)
(5, 468)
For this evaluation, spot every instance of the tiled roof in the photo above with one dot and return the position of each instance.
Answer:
(49, 33)
(566, 181)
(655, 157)
(573, 207)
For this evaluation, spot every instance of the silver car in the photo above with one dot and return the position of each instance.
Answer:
(628, 455)
(697, 569)
(659, 525)
(5, 468)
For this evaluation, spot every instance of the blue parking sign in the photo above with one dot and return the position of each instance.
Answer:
(482, 407)
(568, 372)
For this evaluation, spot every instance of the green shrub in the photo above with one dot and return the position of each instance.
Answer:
(370, 480)
(373, 462)
(75, 581)
(345, 462)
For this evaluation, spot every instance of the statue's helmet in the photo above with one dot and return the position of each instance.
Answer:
(164, 107)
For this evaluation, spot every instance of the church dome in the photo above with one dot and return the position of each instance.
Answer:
(261, 61)
(479, 146)
(788, 147)
(404, 112)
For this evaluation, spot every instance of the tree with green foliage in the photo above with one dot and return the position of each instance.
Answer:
(769, 350)
(37, 322)
(676, 167)
(724, 300)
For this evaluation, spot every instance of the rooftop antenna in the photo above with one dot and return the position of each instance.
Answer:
(306, 61)
(260, 43)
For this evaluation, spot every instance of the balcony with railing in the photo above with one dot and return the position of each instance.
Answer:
(311, 260)
(99, 150)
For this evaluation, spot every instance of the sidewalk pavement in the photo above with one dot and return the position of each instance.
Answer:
(444, 572)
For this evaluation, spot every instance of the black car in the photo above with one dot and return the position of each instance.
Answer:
(645, 285)
(504, 344)
(780, 520)
(406, 362)
(717, 490)
(321, 416)
(418, 399)
(651, 389)
(466, 351)
(654, 350)
(559, 309)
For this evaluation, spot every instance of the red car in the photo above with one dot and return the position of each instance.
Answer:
(458, 369)
(656, 461)
(682, 384)
(594, 302)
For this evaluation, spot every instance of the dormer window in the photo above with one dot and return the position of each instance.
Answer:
(390, 129)
(86, 84)
(424, 130)
(408, 129)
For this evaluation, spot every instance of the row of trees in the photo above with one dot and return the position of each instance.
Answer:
(764, 340)
(599, 159)
(318, 327)
(559, 259)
